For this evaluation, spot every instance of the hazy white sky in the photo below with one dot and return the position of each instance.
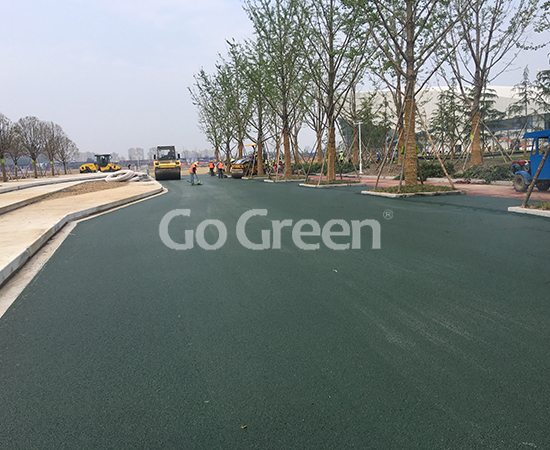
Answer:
(115, 73)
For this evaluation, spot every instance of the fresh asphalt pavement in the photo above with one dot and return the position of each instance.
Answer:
(437, 340)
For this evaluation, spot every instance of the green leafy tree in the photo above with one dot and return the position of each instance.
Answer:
(206, 96)
(448, 121)
(488, 35)
(237, 89)
(383, 69)
(542, 94)
(336, 48)
(526, 96)
(263, 117)
(278, 25)
(409, 34)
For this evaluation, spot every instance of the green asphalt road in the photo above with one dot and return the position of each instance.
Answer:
(438, 340)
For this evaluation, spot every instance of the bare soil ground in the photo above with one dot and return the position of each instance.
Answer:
(85, 188)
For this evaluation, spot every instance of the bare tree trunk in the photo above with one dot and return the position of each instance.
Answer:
(240, 145)
(259, 158)
(295, 145)
(4, 175)
(34, 168)
(287, 162)
(477, 152)
(452, 151)
(355, 157)
(411, 163)
(319, 147)
(400, 141)
(331, 152)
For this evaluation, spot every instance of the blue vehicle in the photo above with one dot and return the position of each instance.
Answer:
(524, 171)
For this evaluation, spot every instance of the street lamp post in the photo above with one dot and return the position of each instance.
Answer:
(360, 152)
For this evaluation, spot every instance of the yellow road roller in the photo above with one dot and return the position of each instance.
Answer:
(103, 164)
(167, 165)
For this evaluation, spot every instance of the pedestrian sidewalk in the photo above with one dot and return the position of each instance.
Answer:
(27, 223)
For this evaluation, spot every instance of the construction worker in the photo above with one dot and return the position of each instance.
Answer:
(193, 172)
(211, 167)
(220, 169)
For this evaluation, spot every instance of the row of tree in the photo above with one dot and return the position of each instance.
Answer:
(31, 137)
(308, 56)
(450, 123)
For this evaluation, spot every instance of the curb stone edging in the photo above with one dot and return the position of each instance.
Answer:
(533, 212)
(51, 181)
(283, 181)
(19, 261)
(415, 194)
(329, 185)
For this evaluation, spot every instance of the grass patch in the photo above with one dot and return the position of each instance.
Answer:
(326, 183)
(540, 205)
(415, 188)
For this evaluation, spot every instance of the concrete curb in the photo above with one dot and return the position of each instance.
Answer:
(284, 181)
(330, 185)
(533, 212)
(12, 267)
(416, 194)
(52, 181)
(472, 181)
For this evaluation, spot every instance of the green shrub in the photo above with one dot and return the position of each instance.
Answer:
(490, 173)
(344, 167)
(433, 170)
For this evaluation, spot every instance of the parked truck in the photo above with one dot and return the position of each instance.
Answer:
(523, 171)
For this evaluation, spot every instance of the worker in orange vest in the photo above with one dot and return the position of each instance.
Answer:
(220, 169)
(211, 167)
(193, 172)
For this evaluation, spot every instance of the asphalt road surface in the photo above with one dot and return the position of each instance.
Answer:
(437, 340)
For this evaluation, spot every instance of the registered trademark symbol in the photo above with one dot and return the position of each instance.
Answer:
(388, 214)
